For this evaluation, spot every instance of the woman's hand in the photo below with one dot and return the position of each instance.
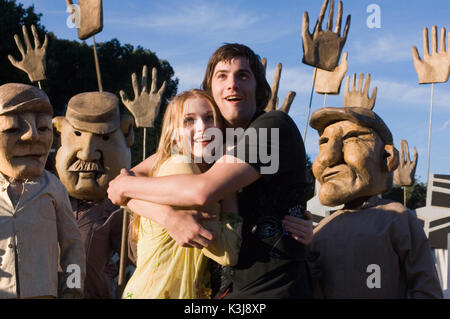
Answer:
(301, 229)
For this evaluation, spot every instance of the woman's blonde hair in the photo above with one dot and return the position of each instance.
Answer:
(171, 140)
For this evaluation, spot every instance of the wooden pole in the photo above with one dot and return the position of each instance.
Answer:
(97, 67)
(404, 196)
(325, 100)
(144, 147)
(310, 104)
(429, 132)
(123, 254)
(40, 85)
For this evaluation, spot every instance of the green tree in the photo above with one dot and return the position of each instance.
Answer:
(71, 68)
(415, 195)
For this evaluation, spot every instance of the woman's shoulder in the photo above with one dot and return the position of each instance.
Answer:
(177, 164)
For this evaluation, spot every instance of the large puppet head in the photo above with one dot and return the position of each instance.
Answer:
(356, 154)
(95, 144)
(25, 131)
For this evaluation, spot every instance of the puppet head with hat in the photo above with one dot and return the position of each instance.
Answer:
(25, 131)
(356, 157)
(95, 144)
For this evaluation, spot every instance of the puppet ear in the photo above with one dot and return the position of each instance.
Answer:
(58, 123)
(126, 125)
(391, 156)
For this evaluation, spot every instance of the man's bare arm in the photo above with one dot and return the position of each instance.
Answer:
(227, 175)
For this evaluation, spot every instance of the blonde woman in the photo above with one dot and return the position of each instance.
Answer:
(164, 269)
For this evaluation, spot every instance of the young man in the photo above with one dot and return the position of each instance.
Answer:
(271, 263)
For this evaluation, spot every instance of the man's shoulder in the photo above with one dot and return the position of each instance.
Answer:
(275, 117)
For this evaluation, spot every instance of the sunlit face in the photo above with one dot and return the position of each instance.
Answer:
(87, 162)
(198, 116)
(25, 141)
(350, 163)
(233, 87)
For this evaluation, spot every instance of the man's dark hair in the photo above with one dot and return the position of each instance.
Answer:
(229, 51)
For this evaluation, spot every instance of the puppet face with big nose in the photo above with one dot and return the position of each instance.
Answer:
(95, 144)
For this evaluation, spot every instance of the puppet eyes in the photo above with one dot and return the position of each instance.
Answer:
(104, 137)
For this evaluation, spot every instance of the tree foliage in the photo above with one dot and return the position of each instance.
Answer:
(415, 195)
(71, 67)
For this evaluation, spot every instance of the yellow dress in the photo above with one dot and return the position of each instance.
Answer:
(165, 270)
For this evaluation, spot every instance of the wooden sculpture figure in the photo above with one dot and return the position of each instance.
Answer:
(272, 105)
(372, 247)
(37, 230)
(359, 97)
(95, 146)
(33, 59)
(435, 66)
(90, 17)
(322, 49)
(404, 174)
(147, 101)
(329, 82)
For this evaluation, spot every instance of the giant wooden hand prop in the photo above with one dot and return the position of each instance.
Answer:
(329, 82)
(435, 67)
(404, 174)
(273, 102)
(33, 59)
(359, 98)
(322, 49)
(146, 103)
(90, 17)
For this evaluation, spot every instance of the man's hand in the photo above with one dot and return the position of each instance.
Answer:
(146, 104)
(435, 67)
(359, 98)
(33, 59)
(322, 49)
(185, 228)
(330, 82)
(116, 187)
(404, 174)
(272, 105)
(301, 229)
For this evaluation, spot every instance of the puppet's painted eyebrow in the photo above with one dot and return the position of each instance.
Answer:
(357, 133)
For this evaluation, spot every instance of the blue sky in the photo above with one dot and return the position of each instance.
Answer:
(185, 33)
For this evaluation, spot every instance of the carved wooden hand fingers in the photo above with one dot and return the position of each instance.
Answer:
(330, 82)
(273, 101)
(33, 59)
(147, 102)
(323, 48)
(435, 65)
(404, 174)
(359, 97)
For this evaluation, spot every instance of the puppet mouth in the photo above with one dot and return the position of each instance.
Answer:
(30, 156)
(329, 174)
(87, 169)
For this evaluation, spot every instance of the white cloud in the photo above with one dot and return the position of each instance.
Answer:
(411, 94)
(386, 49)
(445, 125)
(194, 16)
(190, 76)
